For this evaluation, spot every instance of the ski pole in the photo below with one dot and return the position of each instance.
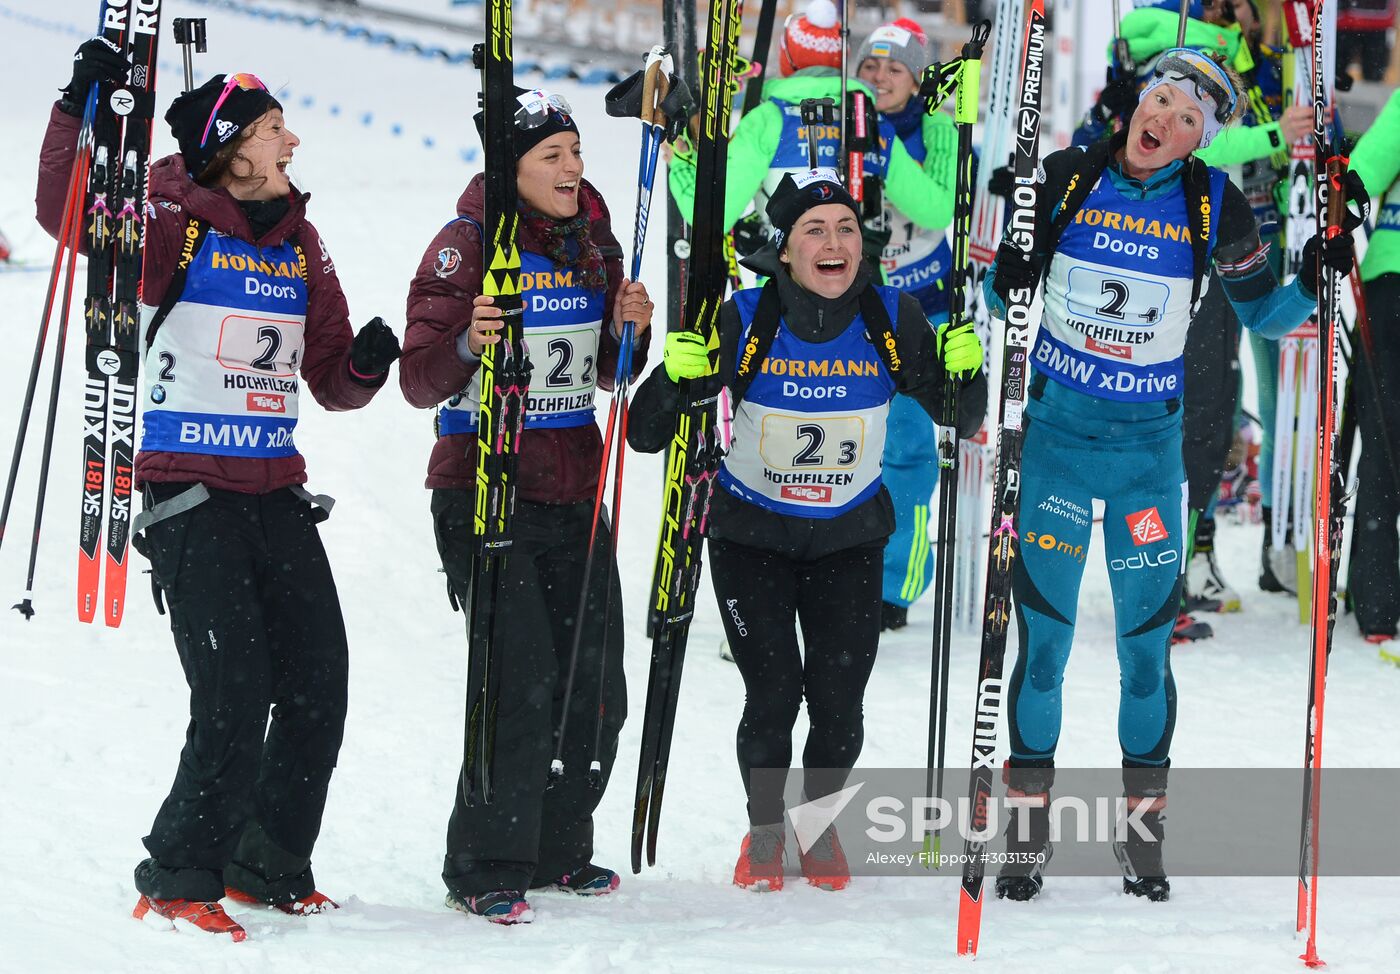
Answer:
(190, 33)
(67, 235)
(1181, 23)
(655, 85)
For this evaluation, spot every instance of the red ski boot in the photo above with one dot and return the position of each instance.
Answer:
(317, 902)
(824, 864)
(209, 917)
(760, 865)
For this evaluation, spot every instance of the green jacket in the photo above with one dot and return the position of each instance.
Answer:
(924, 194)
(1377, 159)
(1151, 30)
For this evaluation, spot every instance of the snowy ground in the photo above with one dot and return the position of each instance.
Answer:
(92, 718)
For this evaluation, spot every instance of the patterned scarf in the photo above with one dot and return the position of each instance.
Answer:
(567, 243)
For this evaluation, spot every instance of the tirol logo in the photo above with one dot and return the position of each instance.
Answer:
(1146, 527)
(807, 493)
(262, 402)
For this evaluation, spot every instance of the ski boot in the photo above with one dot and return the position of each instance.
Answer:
(1203, 579)
(504, 906)
(1140, 856)
(760, 865)
(893, 616)
(1386, 644)
(824, 864)
(197, 914)
(1278, 567)
(1028, 845)
(590, 880)
(1188, 630)
(317, 902)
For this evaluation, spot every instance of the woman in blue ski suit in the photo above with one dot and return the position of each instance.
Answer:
(1121, 243)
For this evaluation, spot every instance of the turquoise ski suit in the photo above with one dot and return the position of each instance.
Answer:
(1104, 420)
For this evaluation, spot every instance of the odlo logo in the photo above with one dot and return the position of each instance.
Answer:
(226, 129)
(732, 606)
(1143, 559)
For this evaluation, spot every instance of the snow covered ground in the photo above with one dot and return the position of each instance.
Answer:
(92, 719)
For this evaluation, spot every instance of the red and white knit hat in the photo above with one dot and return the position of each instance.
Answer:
(811, 39)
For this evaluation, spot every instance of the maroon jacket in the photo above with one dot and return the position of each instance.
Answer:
(173, 196)
(557, 466)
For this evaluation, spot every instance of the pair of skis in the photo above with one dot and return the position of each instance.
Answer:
(504, 378)
(695, 451)
(104, 211)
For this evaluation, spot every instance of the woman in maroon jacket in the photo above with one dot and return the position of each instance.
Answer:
(572, 284)
(240, 298)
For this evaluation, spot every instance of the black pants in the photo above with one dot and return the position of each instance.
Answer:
(257, 624)
(836, 599)
(530, 835)
(1374, 576)
(1211, 392)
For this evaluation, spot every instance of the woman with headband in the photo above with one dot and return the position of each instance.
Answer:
(241, 304)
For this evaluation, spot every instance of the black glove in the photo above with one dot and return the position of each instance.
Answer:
(1002, 181)
(1338, 253)
(750, 235)
(373, 351)
(1117, 99)
(96, 60)
(1014, 271)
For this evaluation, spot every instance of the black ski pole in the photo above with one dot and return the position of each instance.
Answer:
(190, 33)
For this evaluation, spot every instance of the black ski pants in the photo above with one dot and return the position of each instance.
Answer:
(763, 596)
(1210, 395)
(529, 835)
(257, 624)
(1374, 576)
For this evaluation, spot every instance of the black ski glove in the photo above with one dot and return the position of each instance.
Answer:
(1118, 98)
(1338, 253)
(372, 352)
(98, 60)
(1014, 271)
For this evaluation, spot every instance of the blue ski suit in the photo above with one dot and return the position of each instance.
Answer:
(1104, 420)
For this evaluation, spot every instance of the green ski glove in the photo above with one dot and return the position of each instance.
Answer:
(960, 349)
(685, 356)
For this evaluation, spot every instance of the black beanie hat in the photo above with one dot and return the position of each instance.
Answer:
(188, 116)
(798, 193)
(526, 139)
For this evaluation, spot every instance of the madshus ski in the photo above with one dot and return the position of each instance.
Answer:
(504, 378)
(115, 233)
(1006, 498)
(693, 457)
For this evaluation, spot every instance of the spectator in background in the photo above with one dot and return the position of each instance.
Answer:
(1363, 34)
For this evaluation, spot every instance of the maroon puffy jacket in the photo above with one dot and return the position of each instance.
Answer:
(173, 198)
(557, 466)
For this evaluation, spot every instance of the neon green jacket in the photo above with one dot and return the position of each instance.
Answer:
(1377, 159)
(924, 194)
(1151, 30)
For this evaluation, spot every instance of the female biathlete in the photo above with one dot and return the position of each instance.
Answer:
(575, 301)
(240, 298)
(798, 530)
(1122, 244)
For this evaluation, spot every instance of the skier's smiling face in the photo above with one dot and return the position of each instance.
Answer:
(894, 84)
(264, 155)
(547, 176)
(1166, 127)
(823, 250)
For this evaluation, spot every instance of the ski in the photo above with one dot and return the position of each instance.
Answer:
(693, 457)
(965, 76)
(1330, 503)
(679, 36)
(504, 378)
(1006, 498)
(988, 210)
(97, 313)
(124, 350)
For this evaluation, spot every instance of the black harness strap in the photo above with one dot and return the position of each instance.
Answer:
(195, 232)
